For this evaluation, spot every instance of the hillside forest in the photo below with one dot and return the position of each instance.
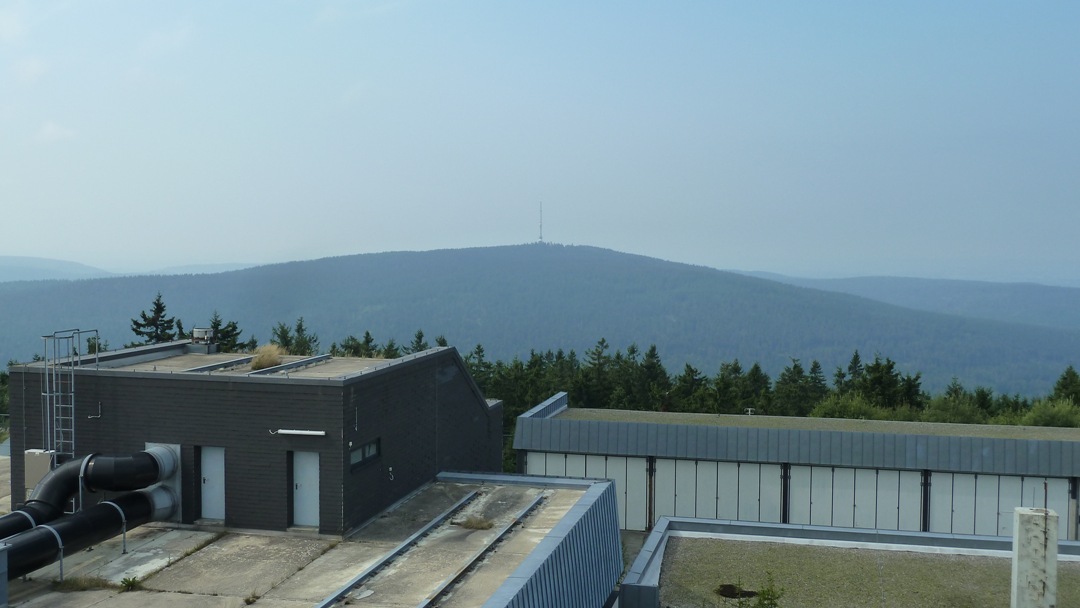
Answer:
(632, 379)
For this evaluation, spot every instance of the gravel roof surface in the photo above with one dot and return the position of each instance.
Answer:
(999, 431)
(841, 577)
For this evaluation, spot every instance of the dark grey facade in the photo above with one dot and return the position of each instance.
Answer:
(423, 414)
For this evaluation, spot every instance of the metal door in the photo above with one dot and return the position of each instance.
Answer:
(306, 489)
(213, 482)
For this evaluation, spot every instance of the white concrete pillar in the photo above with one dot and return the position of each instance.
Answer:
(1035, 554)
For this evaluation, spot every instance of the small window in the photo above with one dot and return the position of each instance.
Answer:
(364, 454)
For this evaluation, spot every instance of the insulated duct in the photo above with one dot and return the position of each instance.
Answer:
(44, 544)
(93, 473)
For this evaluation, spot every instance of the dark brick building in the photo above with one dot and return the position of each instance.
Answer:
(322, 442)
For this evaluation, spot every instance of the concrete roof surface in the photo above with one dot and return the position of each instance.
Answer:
(203, 568)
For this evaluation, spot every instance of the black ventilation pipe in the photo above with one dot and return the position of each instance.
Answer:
(95, 473)
(44, 544)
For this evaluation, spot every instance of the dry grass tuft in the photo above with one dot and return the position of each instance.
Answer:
(475, 522)
(266, 356)
(82, 583)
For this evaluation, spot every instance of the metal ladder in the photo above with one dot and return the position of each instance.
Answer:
(63, 353)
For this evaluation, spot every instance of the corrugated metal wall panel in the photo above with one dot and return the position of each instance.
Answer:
(986, 504)
(1010, 491)
(771, 493)
(742, 444)
(843, 499)
(839, 448)
(727, 490)
(686, 488)
(888, 500)
(800, 495)
(576, 566)
(910, 508)
(803, 447)
(749, 492)
(707, 497)
(637, 488)
(1058, 500)
(771, 447)
(596, 466)
(731, 444)
(575, 466)
(941, 502)
(664, 488)
(556, 464)
(616, 471)
(865, 498)
(963, 504)
(784, 442)
(821, 496)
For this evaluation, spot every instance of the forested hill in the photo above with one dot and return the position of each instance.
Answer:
(17, 268)
(1044, 305)
(539, 296)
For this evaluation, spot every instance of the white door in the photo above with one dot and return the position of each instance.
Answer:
(306, 489)
(213, 482)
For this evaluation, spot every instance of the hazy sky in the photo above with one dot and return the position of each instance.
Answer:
(934, 139)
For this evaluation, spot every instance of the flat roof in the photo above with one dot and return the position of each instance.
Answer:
(934, 429)
(180, 565)
(186, 357)
(818, 575)
(687, 563)
(329, 367)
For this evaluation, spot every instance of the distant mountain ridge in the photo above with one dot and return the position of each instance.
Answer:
(19, 268)
(541, 296)
(1032, 303)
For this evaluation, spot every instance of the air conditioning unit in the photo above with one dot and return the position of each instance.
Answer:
(36, 465)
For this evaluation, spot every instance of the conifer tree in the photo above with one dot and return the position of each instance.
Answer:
(1068, 386)
(156, 327)
(418, 344)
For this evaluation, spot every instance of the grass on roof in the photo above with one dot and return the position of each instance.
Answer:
(817, 576)
(1000, 431)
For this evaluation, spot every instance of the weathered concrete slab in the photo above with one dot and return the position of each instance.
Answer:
(397, 525)
(481, 583)
(80, 599)
(142, 599)
(280, 603)
(329, 572)
(149, 549)
(414, 577)
(158, 549)
(239, 566)
(85, 563)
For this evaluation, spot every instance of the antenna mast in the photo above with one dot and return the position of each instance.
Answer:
(541, 221)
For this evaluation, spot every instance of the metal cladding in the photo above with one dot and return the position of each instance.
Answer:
(952, 454)
(577, 564)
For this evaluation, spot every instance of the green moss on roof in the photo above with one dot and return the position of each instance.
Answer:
(842, 577)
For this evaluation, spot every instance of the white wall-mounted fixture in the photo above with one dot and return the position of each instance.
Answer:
(297, 432)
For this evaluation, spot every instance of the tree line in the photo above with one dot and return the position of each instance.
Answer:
(634, 380)
(630, 379)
